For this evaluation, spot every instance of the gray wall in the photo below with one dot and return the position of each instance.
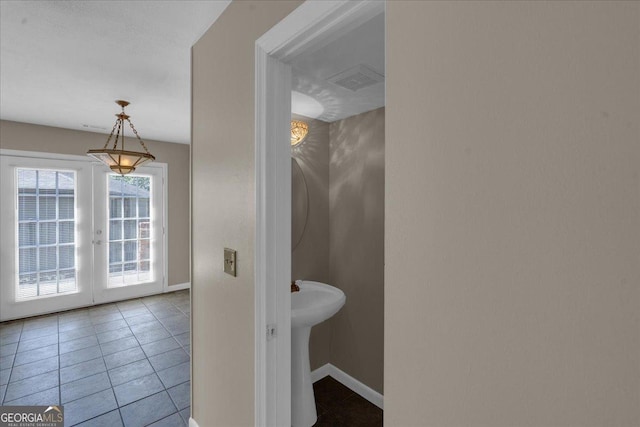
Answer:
(29, 137)
(343, 244)
(512, 214)
(356, 244)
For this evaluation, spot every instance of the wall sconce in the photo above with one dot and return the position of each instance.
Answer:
(299, 131)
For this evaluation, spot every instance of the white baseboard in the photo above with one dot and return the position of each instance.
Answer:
(348, 381)
(193, 423)
(178, 287)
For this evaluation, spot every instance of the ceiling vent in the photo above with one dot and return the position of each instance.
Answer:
(356, 78)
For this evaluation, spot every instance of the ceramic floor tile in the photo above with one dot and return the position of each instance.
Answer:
(148, 410)
(185, 414)
(4, 376)
(46, 397)
(104, 318)
(39, 323)
(183, 339)
(110, 326)
(10, 328)
(7, 361)
(28, 345)
(170, 358)
(78, 344)
(137, 389)
(124, 357)
(143, 318)
(77, 323)
(122, 374)
(110, 419)
(31, 385)
(136, 311)
(175, 375)
(116, 334)
(40, 332)
(84, 387)
(76, 333)
(10, 338)
(173, 420)
(81, 370)
(89, 407)
(36, 354)
(160, 346)
(152, 336)
(181, 395)
(115, 346)
(34, 368)
(146, 326)
(163, 312)
(78, 356)
(8, 349)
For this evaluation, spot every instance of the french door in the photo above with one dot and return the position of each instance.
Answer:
(73, 234)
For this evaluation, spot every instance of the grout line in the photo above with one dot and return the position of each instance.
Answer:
(13, 363)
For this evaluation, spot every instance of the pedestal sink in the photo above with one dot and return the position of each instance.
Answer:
(314, 303)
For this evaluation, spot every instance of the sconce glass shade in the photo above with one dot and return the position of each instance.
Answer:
(120, 160)
(299, 131)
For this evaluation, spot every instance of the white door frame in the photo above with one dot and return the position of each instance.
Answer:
(8, 309)
(311, 26)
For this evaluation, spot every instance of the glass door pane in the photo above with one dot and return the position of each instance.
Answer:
(45, 223)
(46, 232)
(129, 230)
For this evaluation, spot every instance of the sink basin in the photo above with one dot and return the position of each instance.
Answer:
(314, 303)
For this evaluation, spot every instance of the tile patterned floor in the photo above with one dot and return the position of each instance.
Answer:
(338, 406)
(120, 364)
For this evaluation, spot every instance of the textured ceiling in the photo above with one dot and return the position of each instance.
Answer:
(63, 63)
(312, 72)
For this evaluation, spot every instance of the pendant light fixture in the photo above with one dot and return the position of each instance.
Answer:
(299, 131)
(117, 158)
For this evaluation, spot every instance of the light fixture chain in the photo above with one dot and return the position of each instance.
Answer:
(135, 132)
(110, 135)
(115, 142)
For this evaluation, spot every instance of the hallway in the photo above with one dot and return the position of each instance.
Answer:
(118, 364)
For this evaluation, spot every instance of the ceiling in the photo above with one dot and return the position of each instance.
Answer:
(316, 96)
(64, 63)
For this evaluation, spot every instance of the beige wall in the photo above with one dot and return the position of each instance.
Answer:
(512, 214)
(310, 259)
(28, 137)
(356, 244)
(223, 209)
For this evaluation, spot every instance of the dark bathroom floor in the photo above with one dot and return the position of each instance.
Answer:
(337, 406)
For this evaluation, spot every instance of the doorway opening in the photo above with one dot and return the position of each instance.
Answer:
(309, 28)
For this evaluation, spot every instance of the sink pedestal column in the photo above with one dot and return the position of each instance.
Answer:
(303, 403)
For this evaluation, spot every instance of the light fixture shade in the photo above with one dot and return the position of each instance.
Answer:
(121, 161)
(299, 131)
(118, 159)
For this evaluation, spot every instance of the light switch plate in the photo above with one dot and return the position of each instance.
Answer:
(230, 261)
